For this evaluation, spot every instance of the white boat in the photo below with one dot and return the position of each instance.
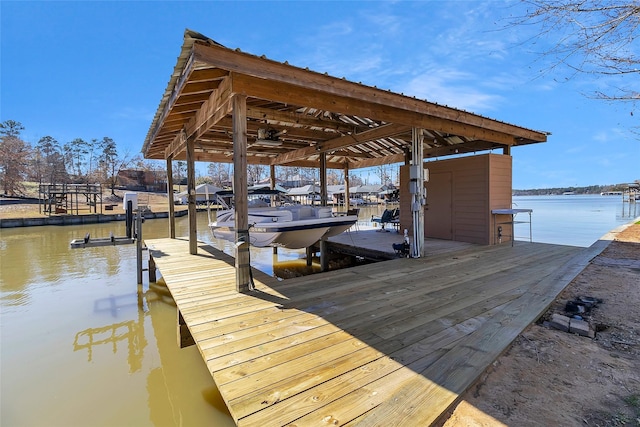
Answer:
(292, 227)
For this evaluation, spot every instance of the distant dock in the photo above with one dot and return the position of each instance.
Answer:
(390, 343)
(76, 219)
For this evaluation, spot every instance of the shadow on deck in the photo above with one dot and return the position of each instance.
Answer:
(391, 343)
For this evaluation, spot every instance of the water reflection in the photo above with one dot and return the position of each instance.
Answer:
(111, 334)
(630, 210)
(578, 220)
(81, 345)
(294, 267)
(129, 330)
(99, 350)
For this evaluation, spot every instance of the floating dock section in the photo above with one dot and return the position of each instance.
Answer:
(387, 344)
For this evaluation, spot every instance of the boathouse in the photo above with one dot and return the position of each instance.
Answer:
(225, 105)
(368, 347)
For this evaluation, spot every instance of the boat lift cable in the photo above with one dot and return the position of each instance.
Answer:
(206, 191)
(353, 243)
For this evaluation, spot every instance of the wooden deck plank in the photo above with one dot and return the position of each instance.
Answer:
(451, 376)
(343, 398)
(405, 295)
(361, 346)
(225, 326)
(317, 345)
(251, 337)
(250, 360)
(361, 368)
(471, 294)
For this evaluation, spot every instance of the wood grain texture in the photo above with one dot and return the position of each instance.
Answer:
(391, 343)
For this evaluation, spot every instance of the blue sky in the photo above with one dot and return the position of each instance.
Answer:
(94, 69)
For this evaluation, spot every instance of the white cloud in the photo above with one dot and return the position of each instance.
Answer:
(454, 88)
(383, 22)
(601, 136)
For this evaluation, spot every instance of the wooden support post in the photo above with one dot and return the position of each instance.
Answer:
(323, 179)
(242, 264)
(172, 213)
(191, 197)
(506, 150)
(152, 269)
(324, 256)
(309, 256)
(272, 183)
(184, 334)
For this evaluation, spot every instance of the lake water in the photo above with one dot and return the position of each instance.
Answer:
(573, 220)
(79, 345)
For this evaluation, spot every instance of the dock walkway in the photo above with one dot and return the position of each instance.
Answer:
(392, 343)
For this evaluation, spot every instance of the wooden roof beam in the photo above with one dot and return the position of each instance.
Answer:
(254, 160)
(341, 142)
(204, 74)
(386, 160)
(278, 73)
(287, 93)
(314, 164)
(467, 147)
(293, 133)
(197, 98)
(347, 153)
(260, 113)
(177, 146)
(192, 88)
(186, 107)
(216, 107)
(212, 110)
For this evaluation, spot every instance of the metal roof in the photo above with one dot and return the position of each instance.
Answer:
(294, 114)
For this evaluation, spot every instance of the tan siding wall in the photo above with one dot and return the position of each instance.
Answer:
(500, 173)
(480, 183)
(470, 199)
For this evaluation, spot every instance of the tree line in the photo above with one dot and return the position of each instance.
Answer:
(591, 189)
(80, 161)
(48, 161)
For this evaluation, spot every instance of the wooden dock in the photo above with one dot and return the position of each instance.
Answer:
(392, 343)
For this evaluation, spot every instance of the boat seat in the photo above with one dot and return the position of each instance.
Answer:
(389, 216)
(324, 212)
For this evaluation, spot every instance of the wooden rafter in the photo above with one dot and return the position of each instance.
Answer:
(287, 93)
(341, 142)
(286, 75)
(353, 124)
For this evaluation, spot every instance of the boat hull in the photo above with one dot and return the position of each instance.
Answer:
(276, 227)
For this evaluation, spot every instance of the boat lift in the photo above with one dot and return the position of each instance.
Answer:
(133, 221)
